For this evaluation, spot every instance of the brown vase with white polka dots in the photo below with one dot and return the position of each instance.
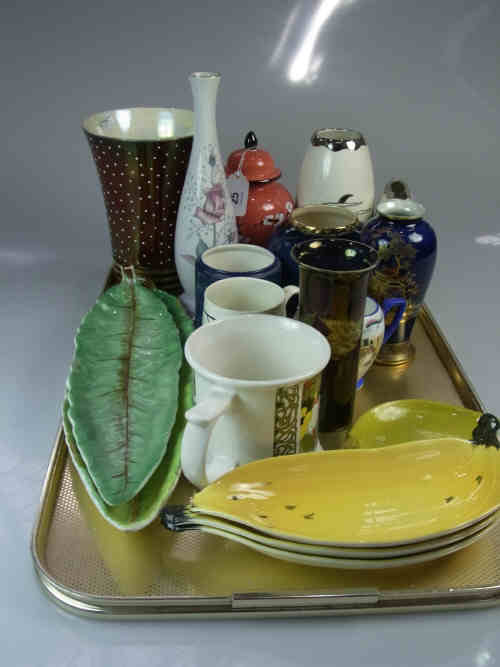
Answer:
(142, 155)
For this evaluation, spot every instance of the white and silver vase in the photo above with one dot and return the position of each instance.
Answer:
(206, 217)
(337, 169)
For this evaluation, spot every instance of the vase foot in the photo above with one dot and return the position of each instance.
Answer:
(396, 354)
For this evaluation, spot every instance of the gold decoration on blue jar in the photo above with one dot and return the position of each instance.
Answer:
(407, 248)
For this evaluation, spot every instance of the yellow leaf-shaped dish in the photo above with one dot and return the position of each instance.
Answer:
(352, 563)
(208, 524)
(412, 419)
(379, 497)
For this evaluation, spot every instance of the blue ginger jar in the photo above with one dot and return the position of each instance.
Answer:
(407, 248)
(335, 221)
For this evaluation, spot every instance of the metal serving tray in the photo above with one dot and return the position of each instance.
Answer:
(90, 568)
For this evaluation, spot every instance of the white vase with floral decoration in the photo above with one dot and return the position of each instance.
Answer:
(206, 217)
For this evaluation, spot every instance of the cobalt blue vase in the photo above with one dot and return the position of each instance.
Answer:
(336, 222)
(407, 248)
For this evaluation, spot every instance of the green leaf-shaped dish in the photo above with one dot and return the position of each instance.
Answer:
(144, 508)
(123, 389)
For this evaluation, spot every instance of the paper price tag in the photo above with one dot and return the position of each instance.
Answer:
(238, 191)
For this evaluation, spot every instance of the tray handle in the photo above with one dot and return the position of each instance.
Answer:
(307, 600)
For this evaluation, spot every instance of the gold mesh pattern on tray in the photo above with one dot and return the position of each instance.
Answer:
(107, 562)
(81, 551)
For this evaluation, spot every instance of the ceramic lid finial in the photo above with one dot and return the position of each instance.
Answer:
(257, 164)
(251, 140)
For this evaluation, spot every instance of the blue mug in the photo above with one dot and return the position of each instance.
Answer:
(234, 259)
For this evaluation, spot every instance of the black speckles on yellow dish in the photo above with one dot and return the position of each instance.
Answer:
(394, 495)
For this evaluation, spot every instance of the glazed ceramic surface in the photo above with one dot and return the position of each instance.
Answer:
(333, 282)
(206, 216)
(269, 205)
(236, 259)
(337, 168)
(338, 221)
(123, 388)
(375, 497)
(352, 563)
(335, 222)
(206, 522)
(269, 202)
(421, 79)
(232, 297)
(375, 333)
(407, 249)
(257, 384)
(412, 419)
(145, 506)
(141, 156)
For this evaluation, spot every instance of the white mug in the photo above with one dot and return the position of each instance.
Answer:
(231, 297)
(228, 261)
(257, 383)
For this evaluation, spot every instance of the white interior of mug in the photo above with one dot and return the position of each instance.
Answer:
(238, 258)
(141, 124)
(257, 350)
(245, 295)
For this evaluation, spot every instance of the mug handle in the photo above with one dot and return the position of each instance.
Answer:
(201, 419)
(387, 305)
(290, 291)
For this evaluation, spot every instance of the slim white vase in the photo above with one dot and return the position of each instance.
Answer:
(206, 217)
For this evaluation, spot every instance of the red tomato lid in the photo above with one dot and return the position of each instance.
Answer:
(256, 165)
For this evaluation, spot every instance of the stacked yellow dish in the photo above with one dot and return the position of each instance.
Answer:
(355, 509)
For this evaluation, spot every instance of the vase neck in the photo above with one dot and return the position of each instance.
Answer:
(204, 86)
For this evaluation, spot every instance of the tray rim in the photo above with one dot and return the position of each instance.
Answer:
(458, 376)
(262, 604)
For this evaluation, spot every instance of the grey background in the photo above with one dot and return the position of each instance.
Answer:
(420, 79)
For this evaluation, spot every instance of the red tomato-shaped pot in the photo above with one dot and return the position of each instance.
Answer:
(269, 202)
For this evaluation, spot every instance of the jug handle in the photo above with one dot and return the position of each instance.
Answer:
(201, 420)
(291, 291)
(387, 305)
